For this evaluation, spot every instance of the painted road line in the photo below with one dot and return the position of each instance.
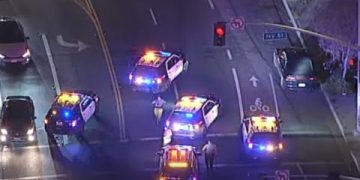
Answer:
(222, 134)
(300, 170)
(54, 176)
(307, 133)
(51, 62)
(313, 163)
(238, 92)
(104, 46)
(163, 46)
(176, 91)
(153, 16)
(228, 53)
(211, 3)
(274, 95)
(337, 119)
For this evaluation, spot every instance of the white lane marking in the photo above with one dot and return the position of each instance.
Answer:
(221, 165)
(153, 16)
(337, 119)
(163, 46)
(53, 176)
(176, 91)
(228, 53)
(274, 95)
(312, 163)
(150, 139)
(309, 133)
(51, 62)
(211, 3)
(222, 134)
(237, 85)
(300, 170)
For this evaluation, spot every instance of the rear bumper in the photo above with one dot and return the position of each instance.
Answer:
(149, 88)
(25, 138)
(15, 61)
(301, 84)
(65, 129)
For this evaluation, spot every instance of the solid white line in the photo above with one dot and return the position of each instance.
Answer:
(314, 133)
(222, 134)
(52, 176)
(336, 117)
(300, 170)
(312, 163)
(51, 62)
(211, 3)
(176, 91)
(153, 16)
(163, 46)
(228, 53)
(274, 95)
(237, 85)
(150, 139)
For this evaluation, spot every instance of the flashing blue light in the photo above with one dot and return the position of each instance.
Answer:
(262, 147)
(67, 114)
(189, 115)
(165, 53)
(147, 81)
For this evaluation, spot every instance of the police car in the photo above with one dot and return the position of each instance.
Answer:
(178, 162)
(262, 136)
(155, 71)
(70, 112)
(192, 115)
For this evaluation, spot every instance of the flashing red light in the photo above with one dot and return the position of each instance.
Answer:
(220, 31)
(351, 62)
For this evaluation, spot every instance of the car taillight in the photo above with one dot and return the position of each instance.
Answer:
(290, 78)
(250, 145)
(312, 78)
(158, 80)
(281, 146)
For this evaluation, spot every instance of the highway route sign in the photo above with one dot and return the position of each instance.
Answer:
(282, 174)
(275, 35)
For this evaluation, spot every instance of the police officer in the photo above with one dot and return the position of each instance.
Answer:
(210, 150)
(159, 104)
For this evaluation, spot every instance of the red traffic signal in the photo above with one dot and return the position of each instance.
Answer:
(219, 33)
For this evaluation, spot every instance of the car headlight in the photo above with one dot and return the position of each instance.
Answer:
(4, 131)
(2, 56)
(30, 131)
(26, 54)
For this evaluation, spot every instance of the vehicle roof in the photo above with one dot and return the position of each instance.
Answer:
(190, 104)
(153, 58)
(264, 124)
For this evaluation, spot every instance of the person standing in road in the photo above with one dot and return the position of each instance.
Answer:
(159, 104)
(210, 151)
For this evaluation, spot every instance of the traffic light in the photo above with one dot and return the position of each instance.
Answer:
(352, 63)
(219, 33)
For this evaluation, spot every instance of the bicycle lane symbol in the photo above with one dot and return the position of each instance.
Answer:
(259, 106)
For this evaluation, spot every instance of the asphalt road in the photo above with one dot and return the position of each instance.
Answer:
(312, 140)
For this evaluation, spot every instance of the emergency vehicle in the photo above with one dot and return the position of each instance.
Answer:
(70, 112)
(155, 71)
(192, 115)
(262, 136)
(178, 162)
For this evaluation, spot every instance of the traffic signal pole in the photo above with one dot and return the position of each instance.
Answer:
(358, 79)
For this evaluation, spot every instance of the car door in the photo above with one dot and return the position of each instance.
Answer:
(210, 112)
(87, 107)
(245, 129)
(174, 66)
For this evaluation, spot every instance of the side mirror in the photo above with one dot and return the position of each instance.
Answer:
(159, 153)
(198, 153)
(27, 38)
(35, 117)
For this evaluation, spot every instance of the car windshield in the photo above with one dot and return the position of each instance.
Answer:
(183, 116)
(147, 71)
(10, 32)
(259, 138)
(17, 112)
(299, 64)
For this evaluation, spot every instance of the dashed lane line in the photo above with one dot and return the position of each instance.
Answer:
(153, 16)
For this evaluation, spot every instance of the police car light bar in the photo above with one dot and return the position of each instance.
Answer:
(178, 164)
(71, 98)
